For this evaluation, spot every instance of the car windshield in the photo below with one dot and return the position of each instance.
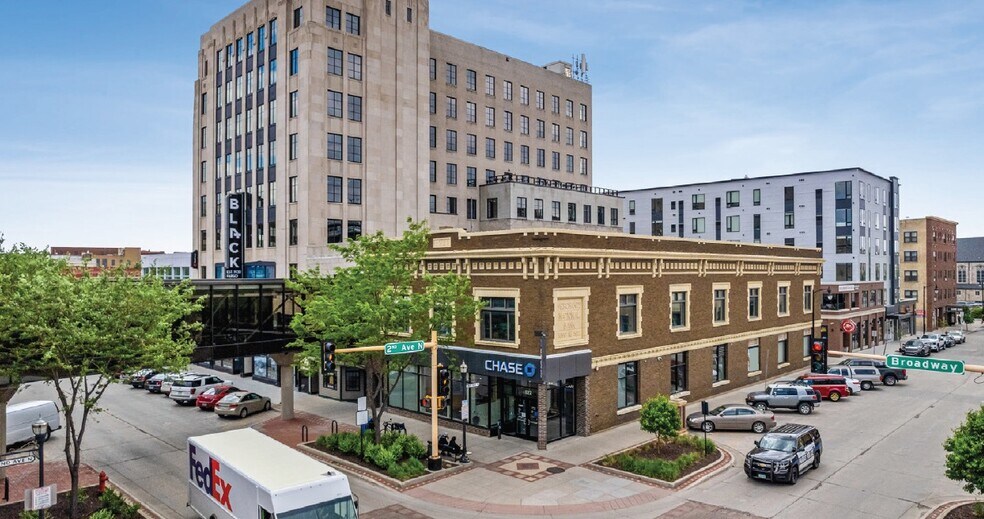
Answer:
(912, 342)
(777, 443)
(209, 392)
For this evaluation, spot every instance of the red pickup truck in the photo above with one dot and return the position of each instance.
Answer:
(831, 387)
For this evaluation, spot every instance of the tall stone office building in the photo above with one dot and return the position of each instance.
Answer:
(346, 117)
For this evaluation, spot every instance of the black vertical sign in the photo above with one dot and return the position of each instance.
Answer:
(235, 239)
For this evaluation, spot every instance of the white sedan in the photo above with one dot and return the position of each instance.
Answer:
(853, 385)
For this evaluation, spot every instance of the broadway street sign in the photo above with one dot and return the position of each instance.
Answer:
(939, 365)
(397, 348)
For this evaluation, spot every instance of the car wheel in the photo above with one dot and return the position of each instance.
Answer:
(243, 413)
(816, 460)
(834, 396)
(758, 427)
(867, 385)
(707, 426)
(805, 408)
(793, 476)
(890, 380)
(762, 406)
(267, 406)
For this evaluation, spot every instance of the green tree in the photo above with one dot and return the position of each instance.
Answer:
(382, 295)
(965, 452)
(82, 332)
(661, 417)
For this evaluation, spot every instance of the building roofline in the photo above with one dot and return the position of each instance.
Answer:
(712, 182)
(928, 217)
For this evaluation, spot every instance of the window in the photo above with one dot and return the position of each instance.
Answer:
(498, 319)
(292, 146)
(601, 215)
(719, 363)
(334, 231)
(678, 309)
(489, 148)
(783, 350)
(354, 229)
(352, 24)
(697, 225)
(273, 32)
(432, 103)
(844, 272)
(489, 85)
(433, 69)
(451, 108)
(569, 108)
(471, 144)
(334, 146)
(507, 121)
(910, 255)
(678, 372)
(409, 14)
(451, 138)
(492, 208)
(911, 275)
(720, 305)
(333, 18)
(272, 237)
(538, 208)
(555, 132)
(753, 359)
(697, 202)
(571, 212)
(524, 95)
(733, 198)
(807, 298)
(539, 100)
(334, 189)
(355, 67)
(451, 74)
(470, 81)
(471, 175)
(355, 149)
(203, 206)
(292, 107)
(569, 163)
(842, 190)
(261, 38)
(451, 205)
(490, 117)
(507, 90)
(521, 207)
(524, 154)
(555, 104)
(628, 314)
(433, 171)
(293, 62)
(355, 108)
(470, 112)
(587, 213)
(389, 7)
(524, 125)
(452, 174)
(754, 293)
(541, 157)
(555, 160)
(628, 384)
(334, 104)
(292, 232)
(334, 62)
(910, 237)
(432, 137)
(273, 72)
(298, 16)
(783, 304)
(472, 208)
(807, 342)
(584, 166)
(292, 190)
(432, 203)
(355, 191)
(734, 223)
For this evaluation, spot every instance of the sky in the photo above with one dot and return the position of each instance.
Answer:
(97, 105)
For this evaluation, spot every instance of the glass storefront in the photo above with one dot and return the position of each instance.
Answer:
(265, 367)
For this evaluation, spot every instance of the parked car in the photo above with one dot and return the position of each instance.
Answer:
(242, 404)
(21, 416)
(948, 341)
(169, 381)
(785, 453)
(831, 387)
(934, 341)
(206, 401)
(958, 336)
(138, 379)
(889, 376)
(155, 383)
(915, 347)
(867, 376)
(786, 396)
(733, 417)
(186, 389)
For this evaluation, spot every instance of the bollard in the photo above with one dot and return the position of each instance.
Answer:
(304, 433)
(103, 479)
(6, 489)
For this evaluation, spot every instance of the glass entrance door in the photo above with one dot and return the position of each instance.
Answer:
(527, 416)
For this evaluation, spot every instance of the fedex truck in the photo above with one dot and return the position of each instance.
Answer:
(244, 474)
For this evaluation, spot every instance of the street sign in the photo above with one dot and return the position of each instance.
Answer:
(848, 326)
(955, 367)
(920, 313)
(464, 411)
(398, 348)
(41, 498)
(472, 385)
(361, 417)
(30, 458)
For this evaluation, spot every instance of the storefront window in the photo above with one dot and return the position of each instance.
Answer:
(628, 388)
(678, 372)
(265, 367)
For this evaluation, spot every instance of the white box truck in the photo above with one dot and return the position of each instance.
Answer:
(245, 474)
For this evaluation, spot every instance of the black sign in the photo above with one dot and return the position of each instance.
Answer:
(519, 366)
(235, 239)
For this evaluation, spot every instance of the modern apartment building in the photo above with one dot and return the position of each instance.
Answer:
(169, 266)
(850, 214)
(348, 117)
(929, 269)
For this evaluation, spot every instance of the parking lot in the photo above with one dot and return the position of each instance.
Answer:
(883, 454)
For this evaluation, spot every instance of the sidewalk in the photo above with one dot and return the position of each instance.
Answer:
(25, 477)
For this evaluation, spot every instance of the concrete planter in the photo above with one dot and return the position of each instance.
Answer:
(380, 477)
(720, 465)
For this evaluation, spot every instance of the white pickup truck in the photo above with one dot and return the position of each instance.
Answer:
(244, 474)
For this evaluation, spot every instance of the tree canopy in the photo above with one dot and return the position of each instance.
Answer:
(965, 452)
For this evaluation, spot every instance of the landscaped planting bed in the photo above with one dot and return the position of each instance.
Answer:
(396, 455)
(666, 460)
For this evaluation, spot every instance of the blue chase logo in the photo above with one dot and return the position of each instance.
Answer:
(513, 368)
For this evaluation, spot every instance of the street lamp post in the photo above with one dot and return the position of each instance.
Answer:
(464, 419)
(40, 430)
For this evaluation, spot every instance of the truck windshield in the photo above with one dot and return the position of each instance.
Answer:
(342, 508)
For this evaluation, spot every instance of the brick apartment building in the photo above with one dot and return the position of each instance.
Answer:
(929, 269)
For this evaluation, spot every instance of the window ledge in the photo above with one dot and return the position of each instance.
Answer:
(754, 373)
(680, 394)
(498, 344)
(627, 410)
(759, 318)
(721, 383)
(806, 358)
(679, 329)
(719, 323)
(629, 336)
(783, 365)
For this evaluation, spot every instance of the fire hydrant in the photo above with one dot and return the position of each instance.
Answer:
(103, 478)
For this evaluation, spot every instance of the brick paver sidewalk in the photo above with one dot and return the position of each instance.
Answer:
(25, 477)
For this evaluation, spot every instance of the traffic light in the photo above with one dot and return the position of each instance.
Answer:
(328, 357)
(818, 357)
(427, 401)
(443, 381)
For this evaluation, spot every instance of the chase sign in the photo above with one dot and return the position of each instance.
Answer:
(527, 369)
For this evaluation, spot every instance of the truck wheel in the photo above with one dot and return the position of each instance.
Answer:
(834, 396)
(890, 380)
(762, 406)
(707, 426)
(805, 408)
(867, 385)
(758, 427)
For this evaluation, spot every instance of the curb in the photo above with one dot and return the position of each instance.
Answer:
(941, 511)
(719, 465)
(378, 477)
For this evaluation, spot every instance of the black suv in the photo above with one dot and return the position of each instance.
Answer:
(785, 453)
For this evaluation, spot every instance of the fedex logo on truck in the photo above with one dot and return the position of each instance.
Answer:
(207, 477)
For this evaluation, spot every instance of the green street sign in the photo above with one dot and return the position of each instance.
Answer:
(938, 365)
(397, 348)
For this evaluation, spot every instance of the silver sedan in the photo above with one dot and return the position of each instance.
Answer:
(241, 404)
(734, 417)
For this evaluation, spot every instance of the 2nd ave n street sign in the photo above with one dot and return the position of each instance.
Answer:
(10, 462)
(938, 365)
(397, 348)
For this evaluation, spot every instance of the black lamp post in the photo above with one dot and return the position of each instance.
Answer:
(40, 430)
(464, 419)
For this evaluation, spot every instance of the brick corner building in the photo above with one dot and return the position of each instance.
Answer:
(929, 269)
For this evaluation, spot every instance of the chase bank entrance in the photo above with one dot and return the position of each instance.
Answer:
(506, 392)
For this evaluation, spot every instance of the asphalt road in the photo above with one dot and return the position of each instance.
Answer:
(883, 454)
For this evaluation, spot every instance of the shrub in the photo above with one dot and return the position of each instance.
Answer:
(410, 468)
(660, 417)
(348, 442)
(380, 456)
(118, 506)
(412, 446)
(103, 513)
(28, 514)
(965, 450)
(327, 442)
(696, 442)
